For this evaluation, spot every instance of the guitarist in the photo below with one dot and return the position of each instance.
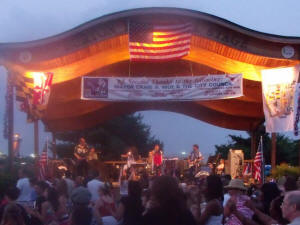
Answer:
(194, 160)
(81, 152)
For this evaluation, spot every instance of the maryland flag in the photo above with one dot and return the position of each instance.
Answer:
(32, 93)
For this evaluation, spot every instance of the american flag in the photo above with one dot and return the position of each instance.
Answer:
(156, 42)
(258, 163)
(43, 163)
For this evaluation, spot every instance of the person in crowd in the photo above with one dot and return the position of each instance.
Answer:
(81, 152)
(32, 182)
(105, 204)
(145, 200)
(193, 196)
(225, 181)
(10, 196)
(40, 189)
(167, 204)
(298, 183)
(78, 182)
(70, 182)
(231, 209)
(275, 212)
(291, 207)
(24, 186)
(290, 184)
(12, 215)
(236, 190)
(123, 181)
(129, 210)
(144, 179)
(125, 177)
(62, 189)
(213, 212)
(82, 214)
(54, 211)
(94, 185)
(269, 192)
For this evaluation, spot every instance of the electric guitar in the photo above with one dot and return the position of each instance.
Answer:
(195, 162)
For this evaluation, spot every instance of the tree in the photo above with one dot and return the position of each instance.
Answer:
(111, 137)
(286, 148)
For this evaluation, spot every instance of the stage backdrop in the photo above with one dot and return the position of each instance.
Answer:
(186, 88)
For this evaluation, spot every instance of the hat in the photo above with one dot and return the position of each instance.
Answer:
(236, 184)
(81, 195)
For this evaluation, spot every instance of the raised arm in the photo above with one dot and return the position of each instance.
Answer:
(264, 218)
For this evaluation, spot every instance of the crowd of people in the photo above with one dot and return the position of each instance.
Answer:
(156, 200)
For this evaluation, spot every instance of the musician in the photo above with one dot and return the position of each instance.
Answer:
(195, 159)
(92, 154)
(92, 158)
(130, 156)
(221, 167)
(157, 160)
(81, 152)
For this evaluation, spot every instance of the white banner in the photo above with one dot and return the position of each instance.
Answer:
(161, 89)
(278, 98)
(297, 109)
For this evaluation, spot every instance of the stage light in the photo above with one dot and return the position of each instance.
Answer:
(278, 76)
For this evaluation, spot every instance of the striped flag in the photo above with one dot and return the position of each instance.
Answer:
(149, 42)
(43, 163)
(258, 163)
(32, 94)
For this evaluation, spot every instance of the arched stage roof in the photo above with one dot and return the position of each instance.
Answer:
(100, 48)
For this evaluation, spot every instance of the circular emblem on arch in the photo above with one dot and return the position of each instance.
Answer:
(25, 57)
(288, 51)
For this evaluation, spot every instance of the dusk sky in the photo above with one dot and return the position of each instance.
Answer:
(32, 19)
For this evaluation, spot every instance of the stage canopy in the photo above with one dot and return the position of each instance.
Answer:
(100, 48)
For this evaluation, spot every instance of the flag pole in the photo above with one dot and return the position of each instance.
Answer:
(262, 161)
(10, 119)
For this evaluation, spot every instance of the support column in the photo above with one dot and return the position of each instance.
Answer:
(36, 138)
(10, 119)
(273, 151)
(299, 154)
(253, 144)
(53, 145)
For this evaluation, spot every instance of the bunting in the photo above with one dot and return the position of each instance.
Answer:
(32, 93)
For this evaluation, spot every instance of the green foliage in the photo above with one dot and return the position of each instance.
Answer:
(235, 142)
(285, 170)
(286, 148)
(111, 138)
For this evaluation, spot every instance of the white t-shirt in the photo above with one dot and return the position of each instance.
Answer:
(226, 198)
(25, 190)
(93, 186)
